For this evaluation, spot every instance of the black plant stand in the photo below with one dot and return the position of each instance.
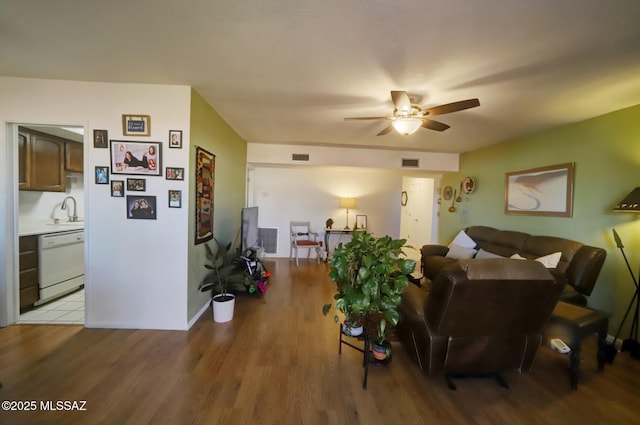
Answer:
(630, 344)
(365, 337)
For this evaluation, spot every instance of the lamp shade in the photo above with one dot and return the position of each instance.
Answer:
(348, 203)
(631, 202)
(406, 126)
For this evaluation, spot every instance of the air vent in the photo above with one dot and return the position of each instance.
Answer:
(409, 162)
(268, 239)
(300, 157)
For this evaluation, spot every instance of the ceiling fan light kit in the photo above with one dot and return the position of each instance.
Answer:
(408, 117)
(407, 125)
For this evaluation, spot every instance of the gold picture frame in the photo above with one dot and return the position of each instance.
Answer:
(136, 125)
(544, 191)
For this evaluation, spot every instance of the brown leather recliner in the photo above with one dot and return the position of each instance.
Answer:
(480, 317)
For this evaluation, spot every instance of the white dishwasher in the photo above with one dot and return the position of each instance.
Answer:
(60, 264)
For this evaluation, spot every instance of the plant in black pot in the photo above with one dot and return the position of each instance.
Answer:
(370, 274)
(226, 273)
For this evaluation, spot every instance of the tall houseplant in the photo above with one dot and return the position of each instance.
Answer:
(225, 273)
(370, 274)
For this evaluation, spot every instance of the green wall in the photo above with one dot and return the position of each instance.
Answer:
(606, 153)
(209, 131)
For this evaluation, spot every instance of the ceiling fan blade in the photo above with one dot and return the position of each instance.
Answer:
(401, 101)
(387, 130)
(434, 125)
(452, 107)
(367, 118)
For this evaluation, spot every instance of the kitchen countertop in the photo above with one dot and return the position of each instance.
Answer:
(40, 228)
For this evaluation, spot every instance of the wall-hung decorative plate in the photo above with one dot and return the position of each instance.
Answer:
(447, 192)
(468, 185)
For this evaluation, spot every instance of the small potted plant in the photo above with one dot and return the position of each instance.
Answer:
(370, 274)
(225, 272)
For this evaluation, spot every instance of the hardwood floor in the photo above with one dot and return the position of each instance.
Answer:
(277, 362)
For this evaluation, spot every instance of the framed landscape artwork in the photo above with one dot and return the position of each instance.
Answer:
(546, 191)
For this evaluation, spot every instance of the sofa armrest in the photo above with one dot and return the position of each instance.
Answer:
(585, 267)
(428, 250)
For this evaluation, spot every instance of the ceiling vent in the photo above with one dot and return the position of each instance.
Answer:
(300, 157)
(410, 162)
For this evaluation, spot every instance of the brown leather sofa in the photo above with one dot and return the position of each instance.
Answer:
(577, 270)
(479, 317)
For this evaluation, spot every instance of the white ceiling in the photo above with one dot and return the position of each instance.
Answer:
(289, 71)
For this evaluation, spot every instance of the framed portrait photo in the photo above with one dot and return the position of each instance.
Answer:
(117, 188)
(175, 199)
(136, 125)
(175, 139)
(136, 158)
(141, 207)
(102, 175)
(100, 139)
(173, 173)
(136, 185)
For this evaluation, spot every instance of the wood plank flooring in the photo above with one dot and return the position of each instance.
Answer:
(277, 362)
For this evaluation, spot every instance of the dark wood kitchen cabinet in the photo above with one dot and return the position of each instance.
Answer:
(28, 271)
(41, 161)
(73, 157)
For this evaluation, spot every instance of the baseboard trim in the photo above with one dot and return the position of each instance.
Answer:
(195, 318)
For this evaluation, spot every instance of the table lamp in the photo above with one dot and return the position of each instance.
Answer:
(347, 203)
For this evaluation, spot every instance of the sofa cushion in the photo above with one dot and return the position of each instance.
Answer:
(457, 252)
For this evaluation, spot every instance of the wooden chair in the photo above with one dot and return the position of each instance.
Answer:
(303, 237)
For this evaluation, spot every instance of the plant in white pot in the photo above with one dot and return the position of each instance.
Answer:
(225, 272)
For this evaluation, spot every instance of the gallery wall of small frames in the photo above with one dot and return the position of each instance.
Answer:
(139, 159)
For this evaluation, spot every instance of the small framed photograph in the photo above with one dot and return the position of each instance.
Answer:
(117, 188)
(102, 175)
(175, 139)
(175, 199)
(100, 139)
(141, 207)
(173, 173)
(136, 185)
(136, 158)
(361, 222)
(136, 125)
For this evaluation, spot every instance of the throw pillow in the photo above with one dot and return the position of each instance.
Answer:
(463, 240)
(550, 261)
(486, 254)
(457, 252)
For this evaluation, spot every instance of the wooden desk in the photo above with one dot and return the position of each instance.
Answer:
(342, 235)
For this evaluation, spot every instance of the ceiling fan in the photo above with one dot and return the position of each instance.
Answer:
(409, 117)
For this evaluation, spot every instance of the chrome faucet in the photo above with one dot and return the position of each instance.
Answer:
(74, 217)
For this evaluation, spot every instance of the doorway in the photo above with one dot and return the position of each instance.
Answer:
(417, 218)
(42, 213)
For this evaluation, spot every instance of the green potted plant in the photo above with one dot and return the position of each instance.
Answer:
(370, 274)
(225, 274)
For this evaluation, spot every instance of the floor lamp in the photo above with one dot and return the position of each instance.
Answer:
(631, 203)
(348, 203)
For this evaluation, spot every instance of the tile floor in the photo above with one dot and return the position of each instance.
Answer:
(68, 310)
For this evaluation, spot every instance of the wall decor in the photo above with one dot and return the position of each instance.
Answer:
(205, 180)
(100, 139)
(141, 207)
(361, 222)
(447, 192)
(175, 139)
(404, 198)
(468, 185)
(136, 125)
(173, 173)
(544, 191)
(175, 199)
(102, 175)
(136, 185)
(117, 188)
(136, 158)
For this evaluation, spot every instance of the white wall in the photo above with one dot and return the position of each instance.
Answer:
(311, 193)
(135, 270)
